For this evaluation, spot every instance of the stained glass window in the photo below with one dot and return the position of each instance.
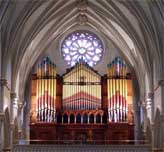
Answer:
(82, 45)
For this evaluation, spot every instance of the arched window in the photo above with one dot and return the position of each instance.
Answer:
(91, 118)
(59, 118)
(85, 118)
(78, 118)
(83, 45)
(72, 118)
(65, 118)
(98, 118)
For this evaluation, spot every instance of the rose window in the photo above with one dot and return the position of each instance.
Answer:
(82, 45)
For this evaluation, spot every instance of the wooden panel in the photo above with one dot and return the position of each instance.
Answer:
(111, 133)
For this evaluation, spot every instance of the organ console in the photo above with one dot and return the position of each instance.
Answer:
(81, 104)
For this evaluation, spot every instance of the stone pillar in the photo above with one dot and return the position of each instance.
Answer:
(144, 120)
(1, 132)
(3, 82)
(161, 84)
(13, 111)
(14, 105)
(137, 115)
(150, 104)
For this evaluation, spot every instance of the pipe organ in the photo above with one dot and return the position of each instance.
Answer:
(46, 91)
(85, 105)
(81, 88)
(117, 91)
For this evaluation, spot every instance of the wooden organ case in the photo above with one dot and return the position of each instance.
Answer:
(81, 105)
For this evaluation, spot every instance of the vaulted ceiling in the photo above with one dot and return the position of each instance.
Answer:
(132, 29)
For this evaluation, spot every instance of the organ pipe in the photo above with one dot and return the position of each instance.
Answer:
(117, 91)
(81, 88)
(46, 94)
(37, 96)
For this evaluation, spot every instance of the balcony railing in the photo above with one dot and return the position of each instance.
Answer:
(81, 146)
(90, 142)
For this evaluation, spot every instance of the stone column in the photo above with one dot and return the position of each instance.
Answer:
(14, 112)
(3, 82)
(150, 104)
(161, 84)
(144, 119)
(14, 105)
(1, 132)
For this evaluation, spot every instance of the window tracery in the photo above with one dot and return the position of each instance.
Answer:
(82, 45)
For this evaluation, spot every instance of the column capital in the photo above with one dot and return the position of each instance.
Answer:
(161, 82)
(13, 95)
(142, 103)
(14, 100)
(150, 95)
(3, 82)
